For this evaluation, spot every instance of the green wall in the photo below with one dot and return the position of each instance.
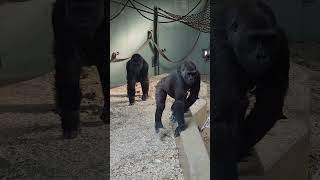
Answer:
(25, 39)
(129, 31)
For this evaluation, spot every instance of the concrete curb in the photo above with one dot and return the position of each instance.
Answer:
(193, 155)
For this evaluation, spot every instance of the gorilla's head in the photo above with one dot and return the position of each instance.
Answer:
(254, 38)
(189, 72)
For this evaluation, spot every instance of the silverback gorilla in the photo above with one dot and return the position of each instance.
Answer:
(177, 85)
(137, 71)
(80, 39)
(250, 51)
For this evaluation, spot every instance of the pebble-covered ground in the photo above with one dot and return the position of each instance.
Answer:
(31, 146)
(136, 152)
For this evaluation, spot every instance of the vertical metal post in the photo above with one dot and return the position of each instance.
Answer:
(155, 36)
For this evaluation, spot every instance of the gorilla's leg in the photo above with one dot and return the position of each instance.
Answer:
(226, 115)
(173, 116)
(103, 74)
(68, 95)
(145, 88)
(161, 96)
(144, 81)
(131, 89)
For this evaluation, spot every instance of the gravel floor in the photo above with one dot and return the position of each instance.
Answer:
(136, 152)
(30, 135)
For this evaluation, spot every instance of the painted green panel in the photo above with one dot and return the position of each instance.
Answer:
(129, 31)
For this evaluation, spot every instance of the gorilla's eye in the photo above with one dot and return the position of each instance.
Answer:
(191, 73)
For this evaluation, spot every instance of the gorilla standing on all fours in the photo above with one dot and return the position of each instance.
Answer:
(137, 71)
(250, 51)
(80, 38)
(177, 85)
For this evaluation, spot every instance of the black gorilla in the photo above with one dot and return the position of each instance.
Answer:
(80, 38)
(137, 71)
(177, 85)
(250, 51)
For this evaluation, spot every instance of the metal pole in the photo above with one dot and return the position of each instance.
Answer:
(155, 36)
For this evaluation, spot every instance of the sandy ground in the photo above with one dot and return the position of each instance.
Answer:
(31, 146)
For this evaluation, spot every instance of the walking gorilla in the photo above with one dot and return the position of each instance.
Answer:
(250, 51)
(80, 38)
(137, 71)
(176, 85)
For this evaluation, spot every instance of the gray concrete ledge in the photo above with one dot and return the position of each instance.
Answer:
(194, 157)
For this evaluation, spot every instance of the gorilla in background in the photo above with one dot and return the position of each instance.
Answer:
(137, 71)
(177, 85)
(80, 39)
(250, 51)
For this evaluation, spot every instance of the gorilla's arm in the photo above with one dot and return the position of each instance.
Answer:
(144, 80)
(270, 97)
(194, 94)
(144, 70)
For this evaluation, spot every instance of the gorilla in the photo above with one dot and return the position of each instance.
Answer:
(80, 39)
(177, 85)
(250, 51)
(137, 71)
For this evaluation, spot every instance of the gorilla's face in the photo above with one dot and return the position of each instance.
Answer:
(84, 16)
(189, 73)
(254, 41)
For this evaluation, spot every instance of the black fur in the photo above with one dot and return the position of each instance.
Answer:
(177, 85)
(238, 66)
(75, 47)
(137, 71)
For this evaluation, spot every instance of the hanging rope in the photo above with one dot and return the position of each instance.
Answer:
(123, 7)
(199, 21)
(114, 55)
(168, 17)
(182, 59)
(151, 40)
(159, 13)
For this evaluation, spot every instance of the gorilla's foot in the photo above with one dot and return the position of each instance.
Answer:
(179, 129)
(158, 126)
(131, 101)
(70, 133)
(144, 97)
(163, 132)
